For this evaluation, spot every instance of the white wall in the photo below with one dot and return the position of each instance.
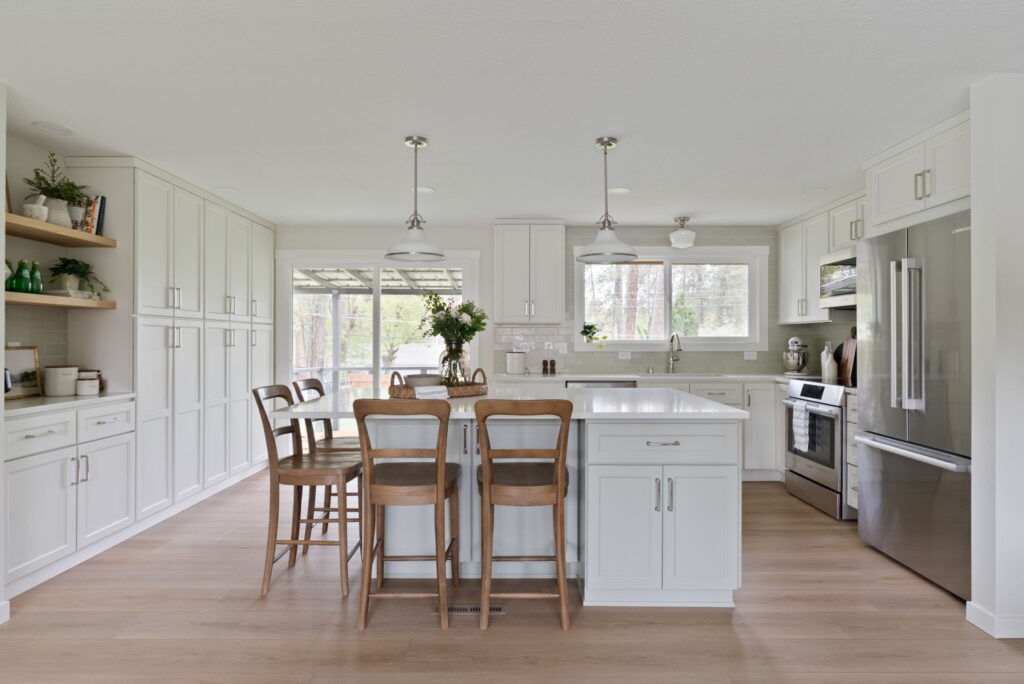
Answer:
(5, 606)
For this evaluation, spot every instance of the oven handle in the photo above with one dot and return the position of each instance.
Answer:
(830, 411)
(951, 463)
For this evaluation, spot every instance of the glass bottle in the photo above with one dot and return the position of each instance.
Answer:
(36, 279)
(22, 281)
(9, 277)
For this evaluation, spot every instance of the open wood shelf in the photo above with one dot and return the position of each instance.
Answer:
(24, 227)
(58, 302)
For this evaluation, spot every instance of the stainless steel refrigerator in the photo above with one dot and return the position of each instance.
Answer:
(914, 368)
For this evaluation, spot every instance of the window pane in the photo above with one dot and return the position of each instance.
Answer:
(710, 300)
(626, 301)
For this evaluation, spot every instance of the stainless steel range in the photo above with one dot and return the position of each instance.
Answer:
(816, 460)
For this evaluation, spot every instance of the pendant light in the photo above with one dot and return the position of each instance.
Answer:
(606, 248)
(684, 237)
(415, 246)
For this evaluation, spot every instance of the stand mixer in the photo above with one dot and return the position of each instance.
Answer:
(795, 357)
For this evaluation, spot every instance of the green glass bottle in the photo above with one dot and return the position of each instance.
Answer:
(36, 279)
(22, 281)
(9, 278)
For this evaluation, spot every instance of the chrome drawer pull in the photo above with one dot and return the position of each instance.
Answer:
(32, 435)
(108, 420)
(675, 443)
(671, 494)
(657, 494)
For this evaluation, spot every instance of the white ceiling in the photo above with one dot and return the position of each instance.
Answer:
(728, 110)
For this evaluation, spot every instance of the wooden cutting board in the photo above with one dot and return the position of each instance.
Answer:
(849, 356)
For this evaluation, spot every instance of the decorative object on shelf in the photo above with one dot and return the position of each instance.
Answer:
(829, 368)
(95, 208)
(551, 367)
(423, 380)
(58, 189)
(36, 279)
(72, 273)
(60, 381)
(77, 214)
(515, 362)
(8, 275)
(36, 209)
(23, 365)
(846, 357)
(684, 237)
(399, 389)
(590, 334)
(415, 246)
(544, 368)
(88, 383)
(606, 248)
(456, 324)
(795, 356)
(22, 279)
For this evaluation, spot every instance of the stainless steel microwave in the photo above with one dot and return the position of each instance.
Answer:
(838, 282)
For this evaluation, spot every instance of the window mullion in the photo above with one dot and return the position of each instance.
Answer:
(668, 299)
(376, 331)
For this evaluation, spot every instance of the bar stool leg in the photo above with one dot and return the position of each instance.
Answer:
(296, 514)
(442, 575)
(487, 544)
(359, 505)
(380, 538)
(310, 514)
(342, 540)
(364, 588)
(563, 598)
(268, 563)
(453, 513)
(327, 504)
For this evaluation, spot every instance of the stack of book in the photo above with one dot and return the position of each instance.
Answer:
(94, 210)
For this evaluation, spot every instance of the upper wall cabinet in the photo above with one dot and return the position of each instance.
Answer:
(846, 224)
(924, 178)
(529, 273)
(261, 277)
(801, 246)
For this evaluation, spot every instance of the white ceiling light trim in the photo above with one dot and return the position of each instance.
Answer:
(52, 128)
(684, 237)
(606, 248)
(415, 246)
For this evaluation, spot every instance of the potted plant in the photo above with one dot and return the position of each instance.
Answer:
(456, 324)
(590, 334)
(59, 191)
(72, 274)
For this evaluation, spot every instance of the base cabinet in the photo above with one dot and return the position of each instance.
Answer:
(759, 430)
(106, 488)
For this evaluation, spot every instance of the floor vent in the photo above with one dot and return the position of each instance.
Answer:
(466, 609)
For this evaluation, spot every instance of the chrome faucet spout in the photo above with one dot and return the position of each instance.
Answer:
(675, 345)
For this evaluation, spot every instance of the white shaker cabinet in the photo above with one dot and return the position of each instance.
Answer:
(238, 267)
(261, 373)
(239, 457)
(262, 275)
(759, 430)
(155, 414)
(529, 272)
(846, 224)
(106, 487)
(216, 272)
(801, 246)
(154, 245)
(187, 283)
(188, 408)
(215, 401)
(791, 274)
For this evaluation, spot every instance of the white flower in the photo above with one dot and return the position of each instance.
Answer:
(465, 318)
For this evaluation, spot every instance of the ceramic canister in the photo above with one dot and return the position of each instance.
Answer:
(515, 363)
(59, 381)
(88, 388)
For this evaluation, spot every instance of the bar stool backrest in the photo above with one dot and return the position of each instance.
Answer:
(438, 408)
(312, 388)
(560, 408)
(267, 395)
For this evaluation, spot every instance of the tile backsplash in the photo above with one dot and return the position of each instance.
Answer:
(40, 327)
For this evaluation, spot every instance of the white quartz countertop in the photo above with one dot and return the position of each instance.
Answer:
(626, 404)
(32, 405)
(680, 377)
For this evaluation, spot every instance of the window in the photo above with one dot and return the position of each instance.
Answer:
(714, 297)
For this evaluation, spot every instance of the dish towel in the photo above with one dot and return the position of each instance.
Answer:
(431, 392)
(801, 426)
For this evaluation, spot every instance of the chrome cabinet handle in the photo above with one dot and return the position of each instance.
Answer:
(177, 337)
(658, 444)
(925, 190)
(85, 457)
(526, 307)
(171, 292)
(533, 307)
(671, 494)
(465, 440)
(657, 494)
(177, 298)
(853, 231)
(748, 398)
(105, 421)
(917, 186)
(78, 467)
(255, 308)
(33, 435)
(252, 340)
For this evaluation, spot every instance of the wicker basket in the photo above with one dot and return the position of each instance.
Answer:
(399, 390)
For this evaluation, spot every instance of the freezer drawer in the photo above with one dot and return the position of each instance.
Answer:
(915, 507)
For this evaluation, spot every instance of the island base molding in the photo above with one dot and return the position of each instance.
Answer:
(660, 598)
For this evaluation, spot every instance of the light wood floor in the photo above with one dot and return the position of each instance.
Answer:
(180, 603)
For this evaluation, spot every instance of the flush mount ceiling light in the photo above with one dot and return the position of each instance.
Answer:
(684, 237)
(606, 248)
(52, 128)
(415, 246)
(618, 191)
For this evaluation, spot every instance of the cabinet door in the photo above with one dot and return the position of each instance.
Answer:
(547, 274)
(238, 267)
(624, 535)
(154, 408)
(261, 373)
(512, 274)
(154, 248)
(842, 226)
(216, 336)
(216, 274)
(948, 170)
(893, 188)
(759, 430)
(815, 247)
(39, 515)
(238, 399)
(701, 542)
(791, 273)
(262, 277)
(188, 255)
(188, 408)
(106, 490)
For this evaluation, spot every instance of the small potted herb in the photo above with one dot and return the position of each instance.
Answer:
(72, 274)
(59, 191)
(590, 334)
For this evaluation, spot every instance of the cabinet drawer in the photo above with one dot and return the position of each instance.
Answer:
(106, 421)
(39, 433)
(663, 443)
(722, 393)
(851, 484)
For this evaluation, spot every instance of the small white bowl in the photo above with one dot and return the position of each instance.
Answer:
(35, 211)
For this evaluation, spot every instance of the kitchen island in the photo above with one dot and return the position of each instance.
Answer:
(653, 510)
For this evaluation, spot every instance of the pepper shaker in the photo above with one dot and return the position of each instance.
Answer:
(551, 366)
(545, 367)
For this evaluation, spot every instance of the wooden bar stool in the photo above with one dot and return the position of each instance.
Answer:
(300, 470)
(408, 484)
(544, 481)
(308, 389)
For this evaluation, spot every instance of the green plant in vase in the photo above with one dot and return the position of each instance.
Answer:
(590, 334)
(457, 324)
(59, 190)
(75, 274)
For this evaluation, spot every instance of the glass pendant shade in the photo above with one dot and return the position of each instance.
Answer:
(684, 237)
(606, 248)
(415, 246)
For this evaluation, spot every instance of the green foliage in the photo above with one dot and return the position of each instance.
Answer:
(590, 334)
(52, 182)
(74, 267)
(444, 318)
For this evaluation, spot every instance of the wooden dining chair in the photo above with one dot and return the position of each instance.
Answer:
(307, 389)
(537, 477)
(429, 479)
(300, 469)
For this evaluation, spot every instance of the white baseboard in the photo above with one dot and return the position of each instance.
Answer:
(23, 584)
(994, 625)
(5, 611)
(763, 475)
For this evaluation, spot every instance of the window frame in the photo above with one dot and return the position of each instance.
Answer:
(754, 256)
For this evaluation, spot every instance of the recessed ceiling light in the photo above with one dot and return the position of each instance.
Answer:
(227, 189)
(618, 191)
(52, 128)
(426, 190)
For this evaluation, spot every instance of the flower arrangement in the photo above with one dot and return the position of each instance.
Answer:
(457, 324)
(590, 334)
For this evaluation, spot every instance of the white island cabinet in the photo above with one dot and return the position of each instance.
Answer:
(652, 513)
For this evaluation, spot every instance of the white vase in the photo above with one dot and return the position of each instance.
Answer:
(69, 282)
(58, 212)
(77, 215)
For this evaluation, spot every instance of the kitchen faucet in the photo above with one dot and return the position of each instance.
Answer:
(675, 345)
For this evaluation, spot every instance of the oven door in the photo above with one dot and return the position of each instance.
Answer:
(823, 460)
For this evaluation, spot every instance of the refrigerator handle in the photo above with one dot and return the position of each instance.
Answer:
(895, 398)
(952, 463)
(913, 327)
